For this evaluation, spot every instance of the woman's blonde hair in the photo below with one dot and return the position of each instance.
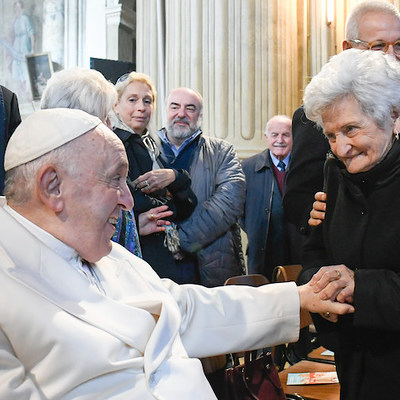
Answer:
(133, 76)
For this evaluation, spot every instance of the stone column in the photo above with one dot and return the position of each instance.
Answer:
(121, 30)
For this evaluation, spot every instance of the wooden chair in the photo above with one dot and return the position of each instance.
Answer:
(286, 273)
(249, 280)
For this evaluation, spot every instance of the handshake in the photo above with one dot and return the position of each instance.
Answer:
(332, 287)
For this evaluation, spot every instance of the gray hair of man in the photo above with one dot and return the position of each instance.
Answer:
(353, 19)
(280, 117)
(20, 181)
(370, 77)
(80, 88)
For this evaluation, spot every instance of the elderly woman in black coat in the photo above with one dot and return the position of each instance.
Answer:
(355, 252)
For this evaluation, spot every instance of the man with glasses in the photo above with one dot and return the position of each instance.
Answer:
(371, 25)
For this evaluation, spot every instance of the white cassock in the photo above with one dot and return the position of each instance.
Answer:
(60, 338)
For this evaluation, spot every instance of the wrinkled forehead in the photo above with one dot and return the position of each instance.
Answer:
(103, 140)
(379, 26)
(184, 98)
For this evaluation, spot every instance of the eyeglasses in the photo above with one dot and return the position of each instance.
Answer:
(378, 45)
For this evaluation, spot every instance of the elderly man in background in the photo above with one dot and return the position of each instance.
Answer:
(263, 220)
(371, 25)
(84, 317)
(210, 238)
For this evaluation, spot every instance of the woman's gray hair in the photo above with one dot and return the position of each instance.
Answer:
(80, 88)
(353, 19)
(371, 77)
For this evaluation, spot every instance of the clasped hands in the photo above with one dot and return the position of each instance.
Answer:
(154, 180)
(335, 283)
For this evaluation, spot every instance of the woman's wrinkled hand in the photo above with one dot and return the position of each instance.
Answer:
(334, 282)
(329, 309)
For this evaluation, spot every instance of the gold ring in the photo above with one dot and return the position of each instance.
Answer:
(327, 314)
(152, 217)
(339, 275)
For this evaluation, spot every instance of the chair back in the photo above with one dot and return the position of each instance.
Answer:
(249, 280)
(286, 273)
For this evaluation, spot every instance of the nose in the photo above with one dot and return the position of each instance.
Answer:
(342, 146)
(126, 200)
(390, 50)
(141, 105)
(181, 113)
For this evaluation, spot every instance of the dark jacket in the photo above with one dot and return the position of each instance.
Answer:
(261, 192)
(305, 172)
(361, 230)
(9, 120)
(179, 198)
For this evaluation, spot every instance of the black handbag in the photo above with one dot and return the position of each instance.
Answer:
(256, 379)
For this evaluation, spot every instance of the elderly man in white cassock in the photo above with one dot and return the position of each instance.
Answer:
(83, 318)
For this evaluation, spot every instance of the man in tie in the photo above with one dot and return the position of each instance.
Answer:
(263, 220)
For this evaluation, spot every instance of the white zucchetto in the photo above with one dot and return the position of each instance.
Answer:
(46, 130)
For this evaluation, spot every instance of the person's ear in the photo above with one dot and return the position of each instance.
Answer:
(49, 187)
(116, 108)
(346, 45)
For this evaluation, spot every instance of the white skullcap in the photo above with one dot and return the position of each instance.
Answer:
(46, 130)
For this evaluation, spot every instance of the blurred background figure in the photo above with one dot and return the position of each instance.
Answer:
(10, 118)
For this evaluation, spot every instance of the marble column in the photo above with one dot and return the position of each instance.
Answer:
(121, 30)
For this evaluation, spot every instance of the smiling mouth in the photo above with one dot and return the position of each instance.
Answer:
(113, 221)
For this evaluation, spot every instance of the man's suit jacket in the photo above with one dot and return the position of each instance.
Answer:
(61, 339)
(10, 120)
(260, 186)
(261, 189)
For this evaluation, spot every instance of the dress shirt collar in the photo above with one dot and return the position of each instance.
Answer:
(276, 161)
(162, 133)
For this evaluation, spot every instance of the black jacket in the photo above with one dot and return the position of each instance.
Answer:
(179, 198)
(11, 119)
(304, 176)
(362, 231)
